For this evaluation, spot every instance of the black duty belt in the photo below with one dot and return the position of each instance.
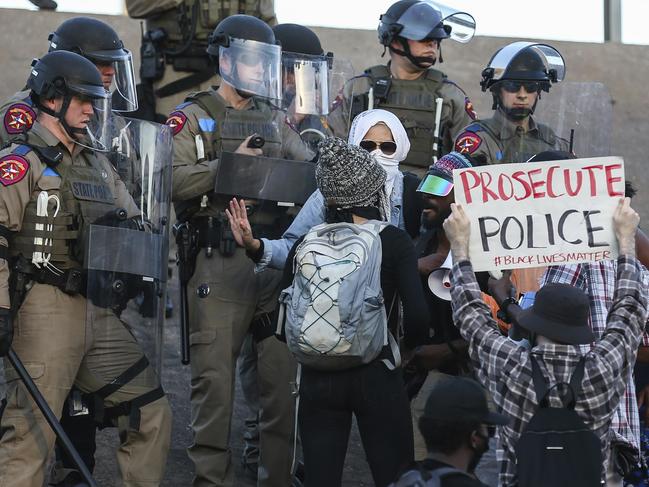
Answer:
(71, 281)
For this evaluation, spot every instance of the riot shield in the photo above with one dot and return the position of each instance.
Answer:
(581, 112)
(126, 255)
(265, 178)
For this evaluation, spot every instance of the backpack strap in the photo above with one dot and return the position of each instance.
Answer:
(540, 385)
(542, 390)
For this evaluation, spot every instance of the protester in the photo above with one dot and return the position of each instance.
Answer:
(456, 426)
(558, 322)
(353, 185)
(445, 352)
(383, 135)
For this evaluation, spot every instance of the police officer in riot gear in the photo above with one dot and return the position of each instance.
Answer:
(431, 107)
(174, 61)
(225, 296)
(516, 76)
(55, 176)
(95, 40)
(307, 88)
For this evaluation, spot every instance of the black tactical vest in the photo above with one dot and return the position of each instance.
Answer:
(414, 103)
(84, 193)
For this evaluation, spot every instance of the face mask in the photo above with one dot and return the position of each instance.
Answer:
(391, 168)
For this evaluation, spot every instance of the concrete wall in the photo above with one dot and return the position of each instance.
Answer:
(624, 69)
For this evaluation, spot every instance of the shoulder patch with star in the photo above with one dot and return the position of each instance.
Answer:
(176, 121)
(13, 169)
(467, 142)
(19, 118)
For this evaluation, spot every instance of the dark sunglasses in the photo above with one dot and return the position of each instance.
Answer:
(387, 147)
(514, 86)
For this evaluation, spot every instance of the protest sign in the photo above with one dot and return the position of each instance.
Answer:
(542, 213)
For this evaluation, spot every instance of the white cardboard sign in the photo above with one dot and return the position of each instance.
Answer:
(541, 213)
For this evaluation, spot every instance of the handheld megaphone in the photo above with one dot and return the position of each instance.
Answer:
(439, 281)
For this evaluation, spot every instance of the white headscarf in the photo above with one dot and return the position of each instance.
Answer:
(363, 122)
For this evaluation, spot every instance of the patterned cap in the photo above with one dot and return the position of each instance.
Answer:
(453, 160)
(347, 175)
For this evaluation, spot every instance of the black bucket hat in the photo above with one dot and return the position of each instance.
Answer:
(560, 313)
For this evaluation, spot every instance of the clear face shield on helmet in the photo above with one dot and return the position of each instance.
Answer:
(252, 68)
(305, 81)
(553, 63)
(87, 121)
(118, 76)
(433, 20)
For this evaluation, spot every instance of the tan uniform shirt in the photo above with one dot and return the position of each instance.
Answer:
(497, 140)
(414, 102)
(22, 178)
(194, 176)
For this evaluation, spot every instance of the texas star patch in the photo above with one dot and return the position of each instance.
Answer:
(13, 169)
(19, 118)
(176, 121)
(468, 143)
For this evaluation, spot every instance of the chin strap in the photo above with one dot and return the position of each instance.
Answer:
(60, 116)
(514, 113)
(416, 60)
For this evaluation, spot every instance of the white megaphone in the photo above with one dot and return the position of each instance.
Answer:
(439, 281)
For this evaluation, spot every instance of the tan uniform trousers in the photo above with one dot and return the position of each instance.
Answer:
(219, 322)
(164, 106)
(59, 349)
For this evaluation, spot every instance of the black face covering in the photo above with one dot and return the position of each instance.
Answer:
(478, 452)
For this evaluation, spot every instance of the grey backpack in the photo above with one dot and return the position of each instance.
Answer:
(333, 312)
(420, 477)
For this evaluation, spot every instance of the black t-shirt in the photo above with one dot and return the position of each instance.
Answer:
(442, 322)
(440, 310)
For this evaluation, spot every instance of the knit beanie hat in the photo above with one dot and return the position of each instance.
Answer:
(348, 176)
(447, 163)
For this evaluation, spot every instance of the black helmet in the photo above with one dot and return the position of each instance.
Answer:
(91, 38)
(64, 74)
(412, 19)
(245, 27)
(250, 41)
(303, 58)
(298, 39)
(524, 61)
(415, 20)
(539, 65)
(97, 41)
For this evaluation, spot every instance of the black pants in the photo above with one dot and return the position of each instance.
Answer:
(377, 397)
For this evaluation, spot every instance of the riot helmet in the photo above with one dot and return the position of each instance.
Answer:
(305, 70)
(534, 67)
(64, 75)
(98, 42)
(247, 56)
(420, 20)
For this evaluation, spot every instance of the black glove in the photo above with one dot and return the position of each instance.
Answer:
(6, 331)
